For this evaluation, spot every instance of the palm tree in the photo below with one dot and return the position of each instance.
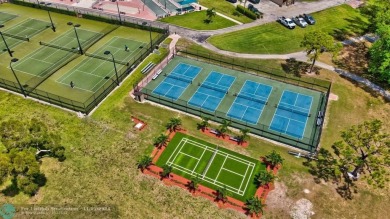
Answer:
(264, 178)
(210, 13)
(194, 184)
(161, 140)
(224, 128)
(166, 171)
(244, 135)
(222, 194)
(204, 124)
(274, 159)
(173, 124)
(144, 162)
(255, 206)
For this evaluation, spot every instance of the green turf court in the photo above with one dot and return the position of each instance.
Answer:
(95, 70)
(215, 166)
(21, 32)
(247, 100)
(4, 17)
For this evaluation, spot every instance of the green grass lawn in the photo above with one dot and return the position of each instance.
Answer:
(274, 38)
(215, 166)
(196, 20)
(226, 8)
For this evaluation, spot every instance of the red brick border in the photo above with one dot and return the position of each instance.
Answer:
(207, 132)
(136, 121)
(176, 180)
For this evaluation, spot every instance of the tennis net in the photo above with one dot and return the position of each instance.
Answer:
(180, 78)
(16, 37)
(214, 88)
(293, 110)
(74, 50)
(252, 98)
(106, 58)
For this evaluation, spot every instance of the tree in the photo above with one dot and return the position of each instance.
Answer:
(204, 123)
(174, 124)
(274, 159)
(223, 128)
(377, 12)
(255, 206)
(210, 13)
(264, 178)
(194, 184)
(26, 142)
(317, 42)
(363, 151)
(161, 140)
(167, 169)
(243, 135)
(379, 65)
(222, 194)
(144, 162)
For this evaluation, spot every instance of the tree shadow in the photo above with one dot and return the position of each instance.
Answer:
(298, 68)
(11, 190)
(354, 58)
(327, 169)
(207, 21)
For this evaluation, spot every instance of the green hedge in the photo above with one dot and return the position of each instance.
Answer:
(32, 5)
(247, 12)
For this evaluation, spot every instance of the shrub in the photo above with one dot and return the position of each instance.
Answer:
(247, 12)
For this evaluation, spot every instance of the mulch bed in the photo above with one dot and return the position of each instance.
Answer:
(176, 180)
(225, 138)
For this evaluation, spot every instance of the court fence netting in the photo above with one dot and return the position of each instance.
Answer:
(306, 143)
(88, 105)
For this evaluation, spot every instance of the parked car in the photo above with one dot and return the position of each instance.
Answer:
(232, 1)
(253, 9)
(300, 21)
(309, 19)
(287, 22)
(255, 1)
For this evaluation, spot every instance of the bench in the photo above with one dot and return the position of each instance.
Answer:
(319, 121)
(320, 114)
(236, 139)
(157, 74)
(214, 131)
(148, 67)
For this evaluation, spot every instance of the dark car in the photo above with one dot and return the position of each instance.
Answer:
(232, 1)
(254, 1)
(309, 19)
(253, 9)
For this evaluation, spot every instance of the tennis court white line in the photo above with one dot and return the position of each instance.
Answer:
(184, 142)
(209, 164)
(209, 180)
(221, 168)
(307, 119)
(75, 87)
(201, 156)
(233, 171)
(250, 176)
(179, 145)
(246, 171)
(50, 63)
(189, 155)
(233, 157)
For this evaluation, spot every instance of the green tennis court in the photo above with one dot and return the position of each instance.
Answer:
(217, 167)
(21, 32)
(95, 70)
(4, 17)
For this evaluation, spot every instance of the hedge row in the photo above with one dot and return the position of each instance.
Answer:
(32, 5)
(247, 12)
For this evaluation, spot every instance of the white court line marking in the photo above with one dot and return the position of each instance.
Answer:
(221, 168)
(189, 155)
(181, 141)
(204, 150)
(246, 171)
(233, 171)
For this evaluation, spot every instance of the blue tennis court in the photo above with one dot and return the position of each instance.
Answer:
(177, 81)
(292, 114)
(211, 92)
(250, 102)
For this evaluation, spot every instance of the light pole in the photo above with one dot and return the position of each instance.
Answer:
(51, 21)
(5, 42)
(77, 36)
(113, 60)
(150, 35)
(119, 13)
(10, 66)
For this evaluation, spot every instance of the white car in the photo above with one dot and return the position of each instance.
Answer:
(287, 22)
(300, 21)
